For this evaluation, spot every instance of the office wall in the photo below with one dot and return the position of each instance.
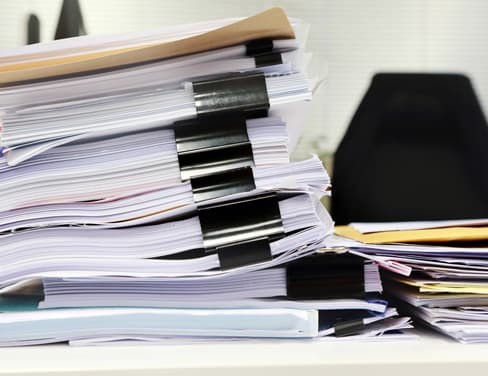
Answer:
(351, 39)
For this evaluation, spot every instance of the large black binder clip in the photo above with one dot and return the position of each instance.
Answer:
(325, 276)
(237, 92)
(240, 231)
(211, 145)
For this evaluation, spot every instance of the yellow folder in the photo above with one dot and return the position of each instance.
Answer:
(272, 23)
(447, 287)
(434, 235)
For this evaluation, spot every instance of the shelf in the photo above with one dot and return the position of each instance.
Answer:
(430, 354)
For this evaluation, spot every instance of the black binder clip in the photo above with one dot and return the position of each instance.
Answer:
(266, 60)
(325, 276)
(348, 328)
(262, 51)
(211, 145)
(221, 184)
(237, 92)
(259, 46)
(240, 231)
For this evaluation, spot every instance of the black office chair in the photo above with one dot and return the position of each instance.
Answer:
(416, 149)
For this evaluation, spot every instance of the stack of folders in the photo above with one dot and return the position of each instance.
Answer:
(438, 270)
(148, 193)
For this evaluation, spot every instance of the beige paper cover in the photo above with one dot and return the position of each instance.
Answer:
(272, 23)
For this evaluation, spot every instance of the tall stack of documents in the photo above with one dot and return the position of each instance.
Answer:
(149, 195)
(438, 271)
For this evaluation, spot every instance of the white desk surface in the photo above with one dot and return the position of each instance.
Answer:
(430, 355)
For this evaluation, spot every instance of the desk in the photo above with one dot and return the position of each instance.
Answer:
(431, 354)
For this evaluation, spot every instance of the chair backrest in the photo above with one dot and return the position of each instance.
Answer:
(416, 149)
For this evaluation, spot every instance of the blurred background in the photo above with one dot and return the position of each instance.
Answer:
(350, 39)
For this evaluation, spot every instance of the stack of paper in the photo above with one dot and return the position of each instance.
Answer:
(317, 297)
(444, 279)
(148, 193)
(75, 207)
(63, 92)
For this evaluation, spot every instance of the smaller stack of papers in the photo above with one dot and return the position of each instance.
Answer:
(438, 271)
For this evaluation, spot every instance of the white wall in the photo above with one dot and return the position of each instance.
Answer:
(355, 37)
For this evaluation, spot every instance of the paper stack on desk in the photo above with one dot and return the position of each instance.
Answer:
(303, 299)
(447, 288)
(147, 187)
